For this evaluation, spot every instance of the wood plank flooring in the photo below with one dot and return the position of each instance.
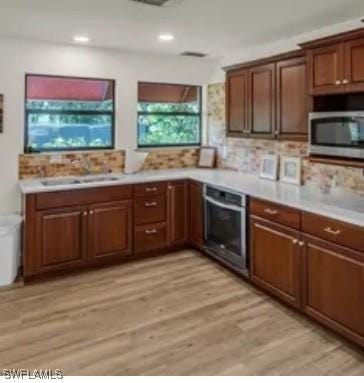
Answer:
(180, 314)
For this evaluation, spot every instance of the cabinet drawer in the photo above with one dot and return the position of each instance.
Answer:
(148, 189)
(149, 209)
(334, 231)
(150, 237)
(275, 213)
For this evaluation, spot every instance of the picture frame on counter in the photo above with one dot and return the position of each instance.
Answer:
(269, 167)
(1, 113)
(207, 157)
(290, 170)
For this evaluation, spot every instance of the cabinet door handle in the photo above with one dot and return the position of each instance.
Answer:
(346, 81)
(338, 82)
(91, 212)
(150, 204)
(151, 232)
(331, 231)
(271, 211)
(301, 243)
(85, 213)
(295, 241)
(150, 190)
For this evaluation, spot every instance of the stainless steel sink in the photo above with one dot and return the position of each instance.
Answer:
(78, 181)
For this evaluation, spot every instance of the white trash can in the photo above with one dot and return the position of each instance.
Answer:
(9, 248)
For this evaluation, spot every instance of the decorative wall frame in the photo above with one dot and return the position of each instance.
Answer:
(269, 167)
(207, 158)
(290, 171)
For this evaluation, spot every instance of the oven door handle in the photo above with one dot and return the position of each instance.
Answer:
(224, 206)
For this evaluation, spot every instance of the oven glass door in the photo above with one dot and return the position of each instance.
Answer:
(345, 132)
(225, 230)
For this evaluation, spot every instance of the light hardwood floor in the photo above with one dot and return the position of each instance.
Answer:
(180, 314)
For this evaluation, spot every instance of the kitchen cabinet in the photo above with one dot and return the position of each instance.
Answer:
(60, 239)
(110, 230)
(261, 101)
(334, 287)
(292, 99)
(236, 101)
(354, 65)
(196, 215)
(178, 213)
(275, 259)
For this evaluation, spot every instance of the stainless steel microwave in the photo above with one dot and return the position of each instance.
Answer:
(338, 134)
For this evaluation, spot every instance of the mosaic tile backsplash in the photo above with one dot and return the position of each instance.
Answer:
(245, 155)
(73, 164)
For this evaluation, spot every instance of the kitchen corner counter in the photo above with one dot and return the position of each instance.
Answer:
(341, 205)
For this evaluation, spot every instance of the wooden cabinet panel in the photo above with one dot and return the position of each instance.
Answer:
(261, 101)
(326, 69)
(178, 213)
(236, 102)
(60, 239)
(150, 237)
(334, 287)
(196, 214)
(354, 65)
(292, 98)
(332, 230)
(275, 260)
(110, 228)
(277, 213)
(149, 209)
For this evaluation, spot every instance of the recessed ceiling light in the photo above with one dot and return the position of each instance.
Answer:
(81, 39)
(166, 37)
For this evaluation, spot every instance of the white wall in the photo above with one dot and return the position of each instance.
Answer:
(19, 57)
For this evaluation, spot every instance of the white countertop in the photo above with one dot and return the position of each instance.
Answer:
(340, 205)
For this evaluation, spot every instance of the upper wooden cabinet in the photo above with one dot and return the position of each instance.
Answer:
(236, 98)
(268, 99)
(336, 63)
(261, 101)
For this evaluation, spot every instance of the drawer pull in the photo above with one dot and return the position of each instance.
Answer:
(150, 204)
(151, 232)
(331, 231)
(301, 243)
(271, 211)
(295, 241)
(150, 189)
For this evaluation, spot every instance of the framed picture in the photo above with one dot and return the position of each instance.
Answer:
(207, 157)
(1, 113)
(291, 170)
(269, 167)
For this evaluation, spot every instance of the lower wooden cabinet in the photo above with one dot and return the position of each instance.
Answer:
(333, 290)
(196, 215)
(110, 230)
(177, 213)
(60, 239)
(275, 259)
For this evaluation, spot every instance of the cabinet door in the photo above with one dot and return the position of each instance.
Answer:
(354, 68)
(261, 101)
(177, 221)
(292, 99)
(61, 239)
(196, 215)
(326, 69)
(275, 259)
(334, 287)
(110, 229)
(236, 93)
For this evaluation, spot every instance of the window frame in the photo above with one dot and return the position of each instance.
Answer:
(199, 115)
(29, 150)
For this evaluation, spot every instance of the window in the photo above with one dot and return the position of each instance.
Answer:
(169, 115)
(68, 113)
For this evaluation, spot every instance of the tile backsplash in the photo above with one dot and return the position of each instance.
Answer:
(246, 154)
(71, 164)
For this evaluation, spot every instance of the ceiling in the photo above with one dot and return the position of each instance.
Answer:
(215, 27)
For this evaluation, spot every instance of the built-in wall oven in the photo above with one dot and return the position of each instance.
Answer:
(225, 227)
(337, 134)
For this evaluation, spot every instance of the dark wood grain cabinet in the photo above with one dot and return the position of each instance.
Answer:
(196, 214)
(110, 230)
(261, 101)
(178, 213)
(236, 97)
(275, 259)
